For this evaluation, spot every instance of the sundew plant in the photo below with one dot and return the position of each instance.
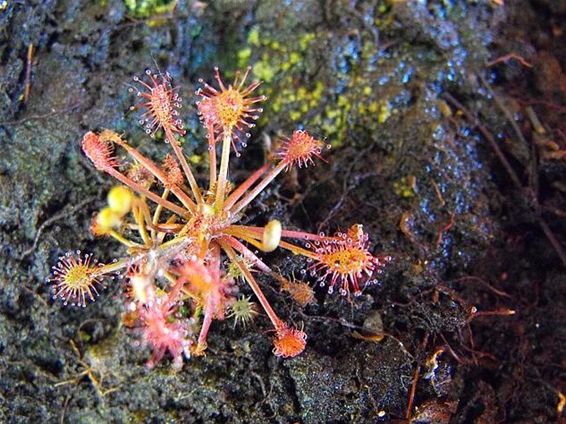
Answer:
(186, 250)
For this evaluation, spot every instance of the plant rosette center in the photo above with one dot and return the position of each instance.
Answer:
(207, 222)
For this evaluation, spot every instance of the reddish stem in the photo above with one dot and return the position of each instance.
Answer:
(242, 188)
(275, 320)
(246, 253)
(186, 168)
(158, 173)
(152, 196)
(211, 154)
(258, 189)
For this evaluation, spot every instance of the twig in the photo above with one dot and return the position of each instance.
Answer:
(445, 228)
(62, 214)
(412, 392)
(27, 85)
(64, 409)
(42, 116)
(415, 381)
(553, 240)
(34, 293)
(507, 57)
(260, 380)
(452, 352)
(533, 180)
(555, 211)
(484, 283)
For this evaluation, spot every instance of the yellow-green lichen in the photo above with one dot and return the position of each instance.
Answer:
(300, 97)
(405, 187)
(263, 71)
(148, 8)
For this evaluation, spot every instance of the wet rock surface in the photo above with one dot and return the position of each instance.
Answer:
(379, 81)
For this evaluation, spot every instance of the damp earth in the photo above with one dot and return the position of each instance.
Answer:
(446, 121)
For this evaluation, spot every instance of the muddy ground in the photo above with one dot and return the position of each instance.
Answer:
(446, 149)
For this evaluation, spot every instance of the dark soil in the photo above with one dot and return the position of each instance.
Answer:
(436, 151)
